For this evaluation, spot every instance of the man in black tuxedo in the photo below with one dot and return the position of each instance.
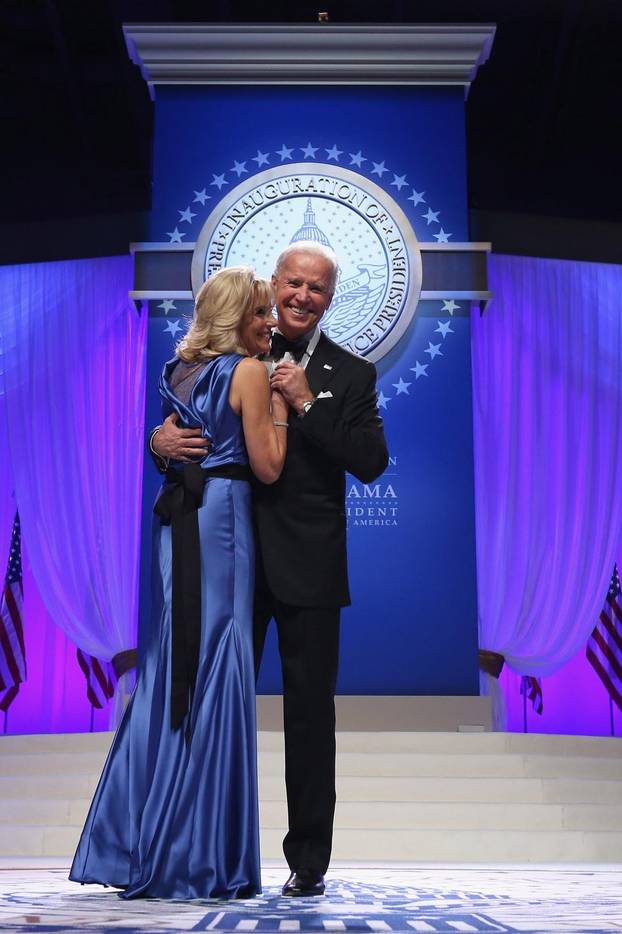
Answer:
(302, 577)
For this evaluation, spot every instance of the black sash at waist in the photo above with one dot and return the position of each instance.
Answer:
(177, 506)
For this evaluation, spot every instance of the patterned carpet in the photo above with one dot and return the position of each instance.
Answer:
(397, 898)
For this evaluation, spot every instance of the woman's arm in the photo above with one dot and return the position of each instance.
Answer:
(266, 441)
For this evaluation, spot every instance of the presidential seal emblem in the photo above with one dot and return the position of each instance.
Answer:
(380, 261)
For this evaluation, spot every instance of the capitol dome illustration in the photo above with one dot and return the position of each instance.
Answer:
(309, 229)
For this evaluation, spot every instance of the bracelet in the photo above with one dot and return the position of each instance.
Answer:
(281, 424)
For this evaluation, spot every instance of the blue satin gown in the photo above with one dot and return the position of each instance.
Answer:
(172, 820)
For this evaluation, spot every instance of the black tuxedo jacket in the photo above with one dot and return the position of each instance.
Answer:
(300, 520)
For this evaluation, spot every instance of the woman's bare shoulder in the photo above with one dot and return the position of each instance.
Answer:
(251, 368)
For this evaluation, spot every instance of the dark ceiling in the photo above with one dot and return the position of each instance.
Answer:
(543, 120)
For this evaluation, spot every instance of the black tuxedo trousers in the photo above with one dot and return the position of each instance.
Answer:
(309, 649)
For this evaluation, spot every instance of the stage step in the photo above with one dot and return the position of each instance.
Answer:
(479, 797)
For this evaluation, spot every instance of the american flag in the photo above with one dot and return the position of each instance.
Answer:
(604, 647)
(12, 651)
(531, 688)
(100, 679)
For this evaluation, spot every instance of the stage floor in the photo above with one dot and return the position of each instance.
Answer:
(36, 896)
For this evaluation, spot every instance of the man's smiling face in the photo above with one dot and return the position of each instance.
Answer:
(303, 289)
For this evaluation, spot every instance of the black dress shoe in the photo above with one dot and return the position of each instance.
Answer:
(304, 883)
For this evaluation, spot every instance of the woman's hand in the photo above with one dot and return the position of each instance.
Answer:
(290, 380)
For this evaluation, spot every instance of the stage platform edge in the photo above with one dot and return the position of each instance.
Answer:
(403, 714)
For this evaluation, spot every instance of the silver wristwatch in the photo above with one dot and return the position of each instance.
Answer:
(306, 406)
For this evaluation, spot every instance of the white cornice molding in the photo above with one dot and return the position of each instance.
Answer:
(316, 54)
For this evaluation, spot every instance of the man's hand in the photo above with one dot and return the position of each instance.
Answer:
(291, 381)
(179, 444)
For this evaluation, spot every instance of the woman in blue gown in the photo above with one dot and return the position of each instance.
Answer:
(175, 813)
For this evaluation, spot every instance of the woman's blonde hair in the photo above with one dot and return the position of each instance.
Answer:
(220, 309)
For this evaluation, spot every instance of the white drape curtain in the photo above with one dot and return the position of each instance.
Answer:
(7, 499)
(72, 391)
(547, 384)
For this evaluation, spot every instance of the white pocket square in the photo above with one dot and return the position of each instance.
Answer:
(327, 366)
(324, 395)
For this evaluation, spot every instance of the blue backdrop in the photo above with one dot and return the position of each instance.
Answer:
(412, 628)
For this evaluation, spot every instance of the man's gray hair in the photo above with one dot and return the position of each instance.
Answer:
(318, 249)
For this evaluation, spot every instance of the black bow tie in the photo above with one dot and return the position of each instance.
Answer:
(281, 345)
